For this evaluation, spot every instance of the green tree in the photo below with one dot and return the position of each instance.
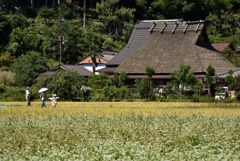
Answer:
(236, 86)
(47, 14)
(229, 79)
(66, 84)
(5, 61)
(4, 30)
(99, 81)
(142, 87)
(223, 23)
(16, 45)
(149, 72)
(109, 92)
(112, 17)
(183, 78)
(119, 79)
(27, 67)
(232, 56)
(210, 72)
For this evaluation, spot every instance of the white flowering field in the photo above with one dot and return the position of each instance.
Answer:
(106, 131)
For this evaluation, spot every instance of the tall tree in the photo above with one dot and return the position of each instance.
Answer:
(183, 78)
(28, 67)
(149, 72)
(210, 72)
(113, 17)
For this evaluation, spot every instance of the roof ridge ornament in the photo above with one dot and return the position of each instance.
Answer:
(166, 20)
(185, 29)
(152, 27)
(199, 23)
(175, 27)
(165, 25)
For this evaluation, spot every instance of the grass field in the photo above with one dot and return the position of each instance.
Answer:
(120, 131)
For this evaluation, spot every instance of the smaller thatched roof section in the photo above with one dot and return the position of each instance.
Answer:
(48, 73)
(107, 70)
(236, 72)
(76, 68)
(173, 43)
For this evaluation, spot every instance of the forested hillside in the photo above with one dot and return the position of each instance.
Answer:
(34, 33)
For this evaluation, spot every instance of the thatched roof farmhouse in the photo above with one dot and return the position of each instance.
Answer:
(165, 45)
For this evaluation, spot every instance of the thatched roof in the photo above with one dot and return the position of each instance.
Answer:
(76, 68)
(236, 72)
(172, 43)
(137, 39)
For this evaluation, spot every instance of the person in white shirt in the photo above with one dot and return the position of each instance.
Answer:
(28, 95)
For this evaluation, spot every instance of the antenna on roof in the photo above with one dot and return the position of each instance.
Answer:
(151, 29)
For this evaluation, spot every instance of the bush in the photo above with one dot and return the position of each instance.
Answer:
(7, 78)
(109, 92)
(207, 98)
(195, 98)
(161, 98)
(8, 93)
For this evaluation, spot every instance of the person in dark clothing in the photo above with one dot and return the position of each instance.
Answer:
(43, 97)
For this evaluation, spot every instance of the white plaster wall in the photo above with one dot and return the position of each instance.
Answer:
(89, 67)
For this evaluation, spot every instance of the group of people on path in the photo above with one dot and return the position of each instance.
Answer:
(43, 97)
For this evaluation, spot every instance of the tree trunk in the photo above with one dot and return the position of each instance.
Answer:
(32, 5)
(84, 14)
(94, 63)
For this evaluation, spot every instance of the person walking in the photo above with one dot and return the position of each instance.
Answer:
(43, 97)
(54, 100)
(28, 96)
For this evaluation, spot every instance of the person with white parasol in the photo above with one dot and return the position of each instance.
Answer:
(43, 96)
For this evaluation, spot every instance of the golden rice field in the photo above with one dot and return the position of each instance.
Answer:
(109, 131)
(114, 109)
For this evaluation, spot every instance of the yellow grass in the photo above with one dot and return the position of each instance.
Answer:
(113, 109)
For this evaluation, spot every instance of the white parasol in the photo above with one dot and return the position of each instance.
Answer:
(43, 90)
